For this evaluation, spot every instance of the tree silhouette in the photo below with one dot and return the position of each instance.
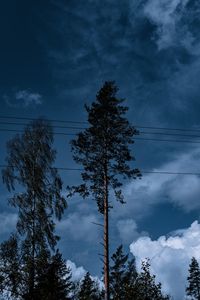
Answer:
(89, 289)
(37, 195)
(54, 281)
(11, 277)
(103, 151)
(193, 288)
(146, 286)
(130, 291)
(118, 274)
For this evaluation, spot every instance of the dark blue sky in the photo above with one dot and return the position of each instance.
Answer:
(55, 55)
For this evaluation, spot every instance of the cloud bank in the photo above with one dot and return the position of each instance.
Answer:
(182, 191)
(170, 257)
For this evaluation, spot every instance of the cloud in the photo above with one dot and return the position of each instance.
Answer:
(29, 98)
(7, 222)
(186, 99)
(23, 98)
(170, 257)
(180, 190)
(174, 21)
(166, 15)
(77, 272)
(79, 227)
(128, 230)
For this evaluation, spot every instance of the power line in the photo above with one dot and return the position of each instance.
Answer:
(167, 128)
(170, 134)
(135, 138)
(21, 131)
(170, 173)
(160, 140)
(57, 126)
(142, 171)
(75, 127)
(50, 120)
(84, 122)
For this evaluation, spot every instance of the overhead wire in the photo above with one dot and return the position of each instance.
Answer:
(50, 120)
(78, 128)
(85, 122)
(135, 138)
(142, 171)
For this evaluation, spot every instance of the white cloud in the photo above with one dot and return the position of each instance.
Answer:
(170, 257)
(77, 272)
(23, 98)
(181, 190)
(80, 226)
(7, 222)
(166, 15)
(128, 230)
(29, 98)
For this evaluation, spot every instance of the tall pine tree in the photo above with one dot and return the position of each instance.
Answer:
(103, 151)
(37, 196)
(193, 288)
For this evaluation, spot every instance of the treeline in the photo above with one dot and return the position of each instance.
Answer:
(53, 279)
(31, 265)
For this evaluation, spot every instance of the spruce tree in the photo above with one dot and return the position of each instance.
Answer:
(37, 196)
(146, 287)
(118, 274)
(193, 288)
(89, 289)
(130, 280)
(54, 281)
(123, 276)
(103, 151)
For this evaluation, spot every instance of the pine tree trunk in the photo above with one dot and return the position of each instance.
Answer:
(106, 239)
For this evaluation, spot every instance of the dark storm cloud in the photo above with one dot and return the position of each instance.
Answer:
(150, 48)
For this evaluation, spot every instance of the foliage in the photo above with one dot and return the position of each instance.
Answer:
(11, 277)
(54, 282)
(193, 288)
(103, 148)
(37, 197)
(130, 280)
(128, 284)
(146, 287)
(89, 289)
(118, 274)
